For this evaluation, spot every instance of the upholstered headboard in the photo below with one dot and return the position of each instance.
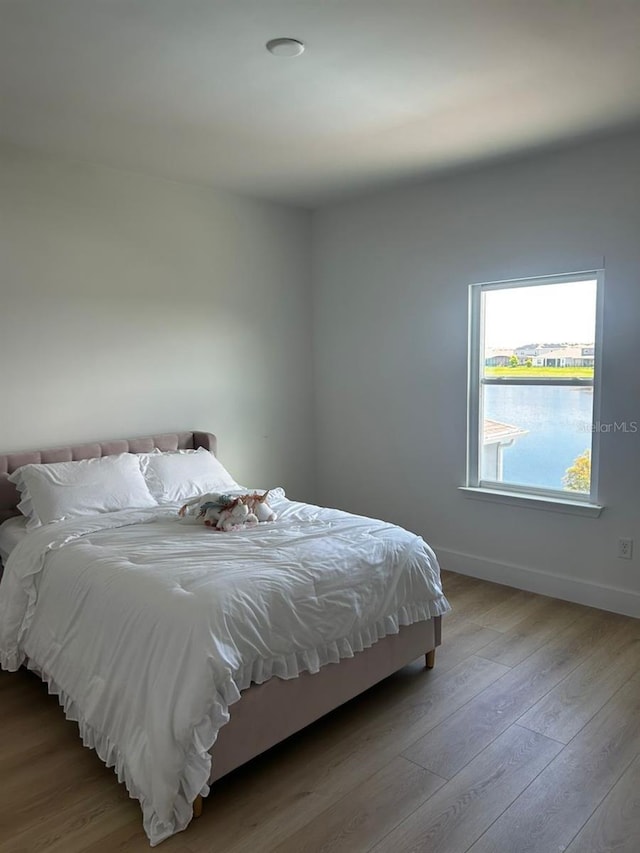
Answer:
(9, 496)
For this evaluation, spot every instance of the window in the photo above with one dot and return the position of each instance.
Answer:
(533, 386)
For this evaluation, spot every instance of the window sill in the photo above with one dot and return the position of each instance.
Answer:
(533, 501)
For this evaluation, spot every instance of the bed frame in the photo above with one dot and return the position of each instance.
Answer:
(267, 713)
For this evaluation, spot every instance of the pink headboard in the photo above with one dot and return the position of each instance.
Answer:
(9, 496)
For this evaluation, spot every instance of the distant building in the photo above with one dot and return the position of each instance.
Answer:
(544, 355)
(528, 351)
(498, 357)
(566, 356)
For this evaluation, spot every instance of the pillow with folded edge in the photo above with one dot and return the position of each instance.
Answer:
(55, 491)
(175, 476)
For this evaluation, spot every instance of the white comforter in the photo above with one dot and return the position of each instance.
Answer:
(148, 628)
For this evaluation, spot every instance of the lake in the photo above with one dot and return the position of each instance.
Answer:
(558, 423)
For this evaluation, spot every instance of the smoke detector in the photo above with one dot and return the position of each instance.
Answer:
(285, 47)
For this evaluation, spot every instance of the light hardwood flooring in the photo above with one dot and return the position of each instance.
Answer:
(525, 737)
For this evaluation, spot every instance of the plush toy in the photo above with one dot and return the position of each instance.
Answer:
(223, 512)
(210, 513)
(236, 516)
(206, 507)
(260, 507)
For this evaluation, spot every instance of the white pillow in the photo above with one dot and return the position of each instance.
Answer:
(58, 490)
(179, 475)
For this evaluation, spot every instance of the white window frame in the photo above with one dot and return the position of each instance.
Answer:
(504, 492)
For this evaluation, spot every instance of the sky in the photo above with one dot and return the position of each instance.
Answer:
(555, 313)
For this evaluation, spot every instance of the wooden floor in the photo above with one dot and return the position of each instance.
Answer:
(525, 737)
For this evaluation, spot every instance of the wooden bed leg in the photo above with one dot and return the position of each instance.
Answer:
(430, 659)
(197, 806)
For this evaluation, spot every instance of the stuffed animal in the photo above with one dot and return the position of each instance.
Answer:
(210, 513)
(236, 516)
(260, 507)
(206, 507)
(223, 512)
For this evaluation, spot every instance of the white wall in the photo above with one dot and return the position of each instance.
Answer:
(132, 305)
(391, 273)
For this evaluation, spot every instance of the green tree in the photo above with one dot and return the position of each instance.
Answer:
(528, 363)
(578, 476)
(513, 361)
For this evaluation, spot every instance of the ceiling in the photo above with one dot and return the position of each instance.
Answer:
(386, 90)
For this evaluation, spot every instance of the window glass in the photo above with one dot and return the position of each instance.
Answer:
(532, 381)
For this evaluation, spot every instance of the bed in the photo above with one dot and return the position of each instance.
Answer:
(140, 583)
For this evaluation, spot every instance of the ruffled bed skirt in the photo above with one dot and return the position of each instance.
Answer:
(196, 771)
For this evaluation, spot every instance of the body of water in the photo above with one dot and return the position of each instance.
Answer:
(558, 422)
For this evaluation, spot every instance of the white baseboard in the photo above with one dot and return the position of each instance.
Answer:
(556, 585)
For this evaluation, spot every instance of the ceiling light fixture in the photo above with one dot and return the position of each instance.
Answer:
(285, 47)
